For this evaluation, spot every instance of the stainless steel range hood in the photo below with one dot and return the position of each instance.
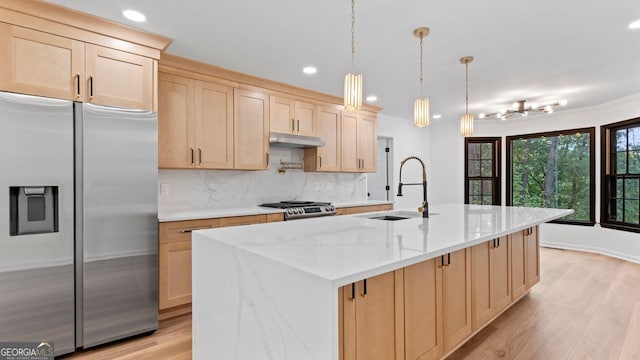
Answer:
(294, 141)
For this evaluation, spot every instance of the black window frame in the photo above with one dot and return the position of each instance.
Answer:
(592, 173)
(606, 157)
(497, 166)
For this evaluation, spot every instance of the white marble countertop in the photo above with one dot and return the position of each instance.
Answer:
(345, 249)
(166, 215)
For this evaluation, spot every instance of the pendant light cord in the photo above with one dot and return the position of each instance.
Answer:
(421, 66)
(466, 91)
(353, 35)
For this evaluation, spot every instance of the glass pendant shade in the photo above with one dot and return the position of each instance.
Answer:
(466, 125)
(421, 112)
(353, 92)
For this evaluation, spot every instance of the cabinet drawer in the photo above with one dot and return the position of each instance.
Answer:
(242, 220)
(275, 217)
(175, 231)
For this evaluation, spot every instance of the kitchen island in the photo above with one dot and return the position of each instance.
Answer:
(345, 287)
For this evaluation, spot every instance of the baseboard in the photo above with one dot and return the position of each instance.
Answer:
(591, 249)
(174, 311)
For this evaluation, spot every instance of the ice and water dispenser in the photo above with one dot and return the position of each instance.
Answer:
(33, 210)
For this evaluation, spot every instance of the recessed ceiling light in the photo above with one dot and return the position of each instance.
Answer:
(635, 25)
(309, 70)
(372, 98)
(134, 15)
(437, 116)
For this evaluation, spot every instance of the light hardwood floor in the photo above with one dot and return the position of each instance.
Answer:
(586, 306)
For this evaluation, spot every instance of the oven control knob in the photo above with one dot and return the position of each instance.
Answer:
(289, 211)
(299, 211)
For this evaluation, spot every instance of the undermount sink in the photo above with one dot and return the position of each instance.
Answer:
(395, 215)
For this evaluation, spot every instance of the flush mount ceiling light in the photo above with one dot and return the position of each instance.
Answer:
(353, 81)
(635, 25)
(134, 15)
(421, 106)
(466, 120)
(372, 98)
(309, 70)
(521, 107)
(437, 116)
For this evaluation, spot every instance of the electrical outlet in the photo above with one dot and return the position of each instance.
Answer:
(318, 186)
(164, 189)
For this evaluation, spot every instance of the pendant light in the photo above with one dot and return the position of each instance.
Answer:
(421, 106)
(466, 120)
(353, 81)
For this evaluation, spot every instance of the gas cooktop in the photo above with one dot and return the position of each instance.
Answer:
(303, 209)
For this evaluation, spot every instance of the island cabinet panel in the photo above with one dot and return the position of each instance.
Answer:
(456, 297)
(251, 130)
(532, 256)
(518, 265)
(369, 318)
(39, 63)
(490, 280)
(423, 337)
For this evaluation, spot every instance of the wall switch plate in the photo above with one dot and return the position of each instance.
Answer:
(164, 189)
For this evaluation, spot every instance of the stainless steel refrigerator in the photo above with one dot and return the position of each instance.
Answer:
(78, 222)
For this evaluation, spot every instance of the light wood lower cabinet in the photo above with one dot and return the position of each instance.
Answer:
(363, 209)
(423, 337)
(174, 255)
(490, 280)
(427, 310)
(369, 318)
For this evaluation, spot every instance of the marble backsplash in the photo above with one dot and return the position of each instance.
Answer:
(216, 189)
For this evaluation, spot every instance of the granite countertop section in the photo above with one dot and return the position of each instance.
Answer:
(179, 215)
(361, 203)
(349, 248)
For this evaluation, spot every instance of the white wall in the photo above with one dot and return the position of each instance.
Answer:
(448, 165)
(408, 140)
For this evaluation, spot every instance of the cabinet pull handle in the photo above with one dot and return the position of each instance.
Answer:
(441, 260)
(448, 259)
(293, 124)
(192, 159)
(77, 85)
(364, 293)
(298, 125)
(267, 159)
(353, 292)
(199, 156)
(90, 87)
(320, 159)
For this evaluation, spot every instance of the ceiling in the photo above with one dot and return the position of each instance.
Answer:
(541, 51)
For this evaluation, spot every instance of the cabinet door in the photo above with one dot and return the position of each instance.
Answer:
(175, 274)
(372, 318)
(456, 298)
(367, 143)
(281, 110)
(500, 275)
(423, 311)
(532, 256)
(305, 116)
(329, 131)
(251, 130)
(176, 127)
(214, 125)
(41, 64)
(481, 284)
(349, 142)
(518, 269)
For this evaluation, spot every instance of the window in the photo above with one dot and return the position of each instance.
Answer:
(621, 175)
(482, 171)
(554, 170)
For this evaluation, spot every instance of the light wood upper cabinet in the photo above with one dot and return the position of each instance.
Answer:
(327, 157)
(195, 123)
(176, 123)
(251, 130)
(43, 64)
(358, 142)
(292, 116)
(423, 337)
(214, 125)
(456, 298)
(38, 63)
(490, 280)
(370, 310)
(117, 78)
(349, 142)
(367, 143)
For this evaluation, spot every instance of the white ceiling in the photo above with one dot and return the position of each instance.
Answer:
(544, 50)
